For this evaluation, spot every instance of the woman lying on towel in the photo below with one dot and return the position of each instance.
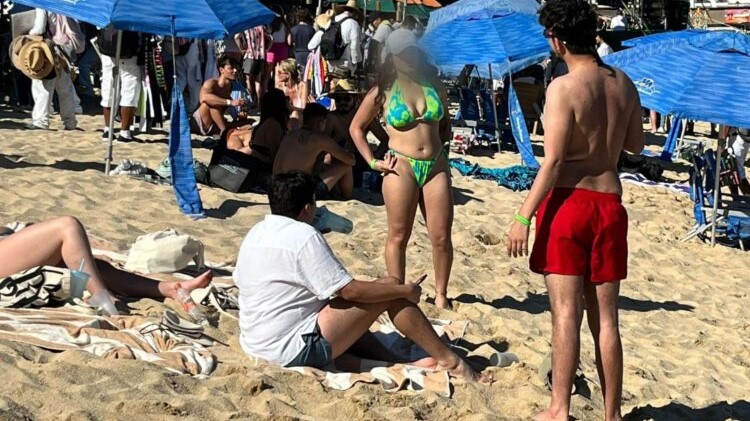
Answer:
(63, 242)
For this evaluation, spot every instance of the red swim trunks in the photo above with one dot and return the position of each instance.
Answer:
(582, 233)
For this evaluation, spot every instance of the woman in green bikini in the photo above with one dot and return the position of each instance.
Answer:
(416, 173)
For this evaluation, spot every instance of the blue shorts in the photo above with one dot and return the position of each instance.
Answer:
(316, 353)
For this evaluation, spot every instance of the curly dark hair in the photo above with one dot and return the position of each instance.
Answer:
(573, 22)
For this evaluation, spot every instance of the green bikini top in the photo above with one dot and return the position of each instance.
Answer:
(399, 115)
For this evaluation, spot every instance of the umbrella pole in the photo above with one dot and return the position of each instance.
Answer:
(717, 190)
(494, 107)
(113, 102)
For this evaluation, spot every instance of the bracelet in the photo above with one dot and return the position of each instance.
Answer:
(373, 163)
(229, 102)
(523, 220)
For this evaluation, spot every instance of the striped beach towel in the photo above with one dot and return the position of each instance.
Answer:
(391, 377)
(117, 337)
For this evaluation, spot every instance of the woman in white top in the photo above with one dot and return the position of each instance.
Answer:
(288, 80)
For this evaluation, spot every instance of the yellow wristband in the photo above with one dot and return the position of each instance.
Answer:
(523, 220)
(373, 163)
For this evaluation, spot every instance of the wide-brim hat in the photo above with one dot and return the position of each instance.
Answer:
(340, 72)
(33, 56)
(350, 6)
(344, 87)
(323, 21)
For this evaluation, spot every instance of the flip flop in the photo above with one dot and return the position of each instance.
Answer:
(216, 297)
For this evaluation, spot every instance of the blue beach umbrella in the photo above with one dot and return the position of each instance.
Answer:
(505, 39)
(210, 19)
(697, 75)
(467, 7)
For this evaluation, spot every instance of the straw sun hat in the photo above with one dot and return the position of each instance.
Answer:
(33, 56)
(323, 21)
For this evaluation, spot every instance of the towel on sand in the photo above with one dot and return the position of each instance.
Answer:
(516, 178)
(117, 337)
(392, 377)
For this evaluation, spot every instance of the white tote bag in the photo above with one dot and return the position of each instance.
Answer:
(164, 251)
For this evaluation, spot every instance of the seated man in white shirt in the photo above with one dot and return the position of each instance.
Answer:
(287, 276)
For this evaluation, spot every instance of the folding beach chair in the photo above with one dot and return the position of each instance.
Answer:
(733, 215)
(472, 114)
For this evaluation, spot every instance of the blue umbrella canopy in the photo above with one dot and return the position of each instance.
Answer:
(507, 39)
(211, 19)
(692, 74)
(467, 7)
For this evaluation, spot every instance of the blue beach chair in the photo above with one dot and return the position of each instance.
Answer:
(733, 215)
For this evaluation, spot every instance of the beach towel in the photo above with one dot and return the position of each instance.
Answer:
(36, 287)
(641, 180)
(118, 337)
(392, 377)
(516, 178)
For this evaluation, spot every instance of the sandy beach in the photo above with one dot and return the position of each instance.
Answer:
(685, 318)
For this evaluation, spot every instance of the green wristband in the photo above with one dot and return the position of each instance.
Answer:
(523, 220)
(373, 163)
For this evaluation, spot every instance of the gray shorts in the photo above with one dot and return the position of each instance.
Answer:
(317, 352)
(253, 67)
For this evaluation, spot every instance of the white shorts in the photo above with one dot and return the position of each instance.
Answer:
(130, 81)
(740, 146)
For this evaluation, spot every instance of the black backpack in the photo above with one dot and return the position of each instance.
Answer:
(107, 42)
(332, 45)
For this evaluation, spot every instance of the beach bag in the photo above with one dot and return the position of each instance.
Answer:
(228, 174)
(332, 45)
(106, 42)
(165, 251)
(35, 287)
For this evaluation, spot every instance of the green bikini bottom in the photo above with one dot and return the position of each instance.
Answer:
(422, 167)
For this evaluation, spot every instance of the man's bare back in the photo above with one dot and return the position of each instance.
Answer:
(599, 109)
(302, 150)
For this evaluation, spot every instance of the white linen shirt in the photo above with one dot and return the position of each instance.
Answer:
(286, 274)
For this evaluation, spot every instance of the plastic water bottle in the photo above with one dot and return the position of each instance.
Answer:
(190, 307)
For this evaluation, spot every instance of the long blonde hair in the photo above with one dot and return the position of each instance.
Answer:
(290, 66)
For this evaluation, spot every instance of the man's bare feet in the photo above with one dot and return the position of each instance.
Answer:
(461, 368)
(429, 363)
(442, 301)
(550, 415)
(201, 281)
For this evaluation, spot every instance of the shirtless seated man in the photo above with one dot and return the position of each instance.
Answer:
(592, 114)
(311, 151)
(300, 307)
(215, 99)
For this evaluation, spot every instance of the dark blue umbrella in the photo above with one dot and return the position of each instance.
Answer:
(189, 19)
(506, 39)
(697, 75)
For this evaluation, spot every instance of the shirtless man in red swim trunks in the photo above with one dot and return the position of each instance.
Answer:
(592, 115)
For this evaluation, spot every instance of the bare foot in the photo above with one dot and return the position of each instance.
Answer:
(549, 415)
(429, 363)
(442, 302)
(201, 281)
(463, 370)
